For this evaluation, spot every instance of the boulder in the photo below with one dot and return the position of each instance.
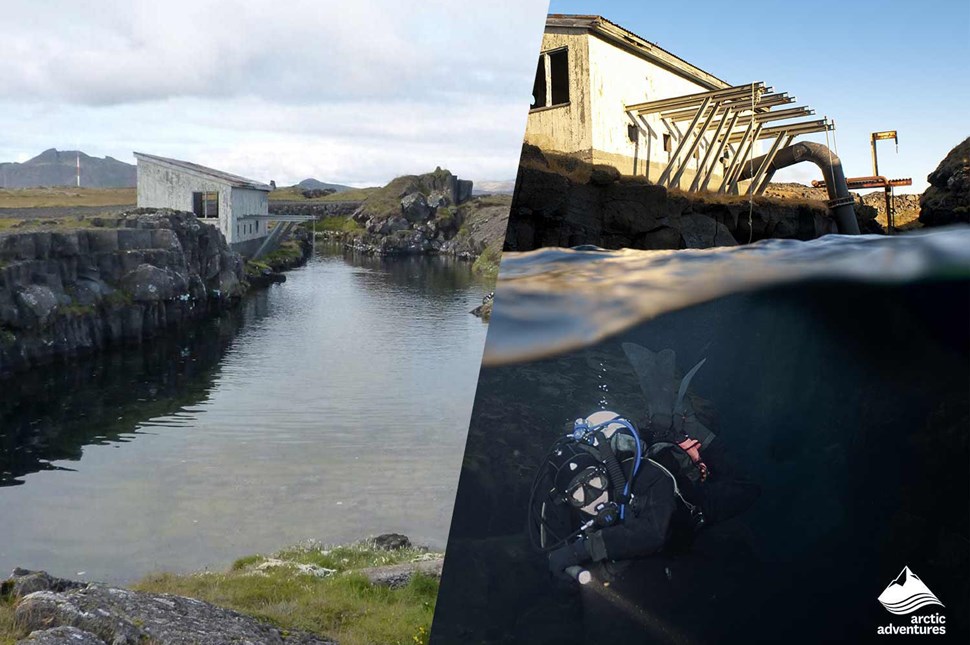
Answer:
(463, 191)
(38, 302)
(392, 541)
(701, 232)
(149, 283)
(96, 614)
(399, 575)
(437, 199)
(63, 635)
(947, 200)
(414, 207)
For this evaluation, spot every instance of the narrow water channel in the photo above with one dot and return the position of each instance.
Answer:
(331, 407)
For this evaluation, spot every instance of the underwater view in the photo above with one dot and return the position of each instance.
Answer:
(833, 376)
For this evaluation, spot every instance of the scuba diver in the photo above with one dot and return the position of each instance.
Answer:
(612, 491)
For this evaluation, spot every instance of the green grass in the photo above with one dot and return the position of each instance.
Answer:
(487, 263)
(288, 251)
(337, 223)
(344, 606)
(9, 633)
(66, 196)
(295, 194)
(33, 224)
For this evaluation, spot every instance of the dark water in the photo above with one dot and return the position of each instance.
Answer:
(844, 399)
(331, 407)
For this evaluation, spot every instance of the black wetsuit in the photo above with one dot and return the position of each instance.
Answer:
(659, 566)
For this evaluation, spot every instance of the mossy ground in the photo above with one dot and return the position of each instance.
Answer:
(337, 223)
(295, 194)
(344, 606)
(487, 264)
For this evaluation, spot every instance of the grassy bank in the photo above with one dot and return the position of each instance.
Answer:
(8, 630)
(295, 194)
(21, 224)
(66, 196)
(337, 223)
(311, 588)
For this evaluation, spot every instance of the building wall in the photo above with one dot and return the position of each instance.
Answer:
(618, 78)
(564, 128)
(163, 187)
(245, 202)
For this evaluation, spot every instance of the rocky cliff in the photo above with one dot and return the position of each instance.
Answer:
(432, 214)
(561, 201)
(947, 200)
(121, 280)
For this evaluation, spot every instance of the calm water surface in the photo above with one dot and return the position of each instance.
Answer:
(332, 407)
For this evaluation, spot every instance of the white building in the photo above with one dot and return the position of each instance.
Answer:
(607, 96)
(239, 207)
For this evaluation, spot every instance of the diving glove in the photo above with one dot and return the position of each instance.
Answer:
(568, 555)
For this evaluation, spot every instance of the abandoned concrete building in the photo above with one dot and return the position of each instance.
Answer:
(607, 96)
(237, 206)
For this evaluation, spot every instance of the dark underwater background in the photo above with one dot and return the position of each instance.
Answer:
(846, 400)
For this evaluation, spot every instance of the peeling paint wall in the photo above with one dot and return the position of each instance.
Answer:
(603, 79)
(564, 128)
(618, 78)
(163, 187)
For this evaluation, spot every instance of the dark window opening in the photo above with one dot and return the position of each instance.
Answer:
(551, 86)
(205, 204)
(668, 146)
(559, 75)
(539, 87)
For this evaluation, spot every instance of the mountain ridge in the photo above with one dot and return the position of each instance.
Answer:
(54, 167)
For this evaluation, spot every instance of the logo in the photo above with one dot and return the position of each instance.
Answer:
(906, 594)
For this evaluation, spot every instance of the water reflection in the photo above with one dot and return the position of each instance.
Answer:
(49, 414)
(332, 407)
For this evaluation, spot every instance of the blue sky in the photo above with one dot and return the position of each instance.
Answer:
(868, 65)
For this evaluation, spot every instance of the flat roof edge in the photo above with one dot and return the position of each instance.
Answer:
(620, 36)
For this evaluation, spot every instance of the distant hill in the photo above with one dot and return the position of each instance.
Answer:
(315, 184)
(59, 168)
(499, 187)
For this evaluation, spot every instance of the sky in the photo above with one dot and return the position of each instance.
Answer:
(347, 92)
(868, 65)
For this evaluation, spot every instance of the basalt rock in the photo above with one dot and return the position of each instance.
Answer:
(94, 614)
(947, 200)
(124, 280)
(565, 202)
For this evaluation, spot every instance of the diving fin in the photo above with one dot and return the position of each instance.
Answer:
(656, 373)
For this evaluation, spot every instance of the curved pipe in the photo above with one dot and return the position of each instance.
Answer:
(840, 200)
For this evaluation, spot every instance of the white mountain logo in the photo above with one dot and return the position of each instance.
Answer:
(907, 593)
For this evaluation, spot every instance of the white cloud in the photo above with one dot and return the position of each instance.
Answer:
(343, 91)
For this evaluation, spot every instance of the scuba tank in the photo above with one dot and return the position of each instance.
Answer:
(586, 483)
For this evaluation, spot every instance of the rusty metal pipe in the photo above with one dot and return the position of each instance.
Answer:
(840, 200)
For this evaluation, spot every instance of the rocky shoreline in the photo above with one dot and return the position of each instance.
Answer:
(48, 610)
(561, 201)
(117, 280)
(430, 214)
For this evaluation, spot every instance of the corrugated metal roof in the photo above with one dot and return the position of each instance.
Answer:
(620, 35)
(229, 178)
